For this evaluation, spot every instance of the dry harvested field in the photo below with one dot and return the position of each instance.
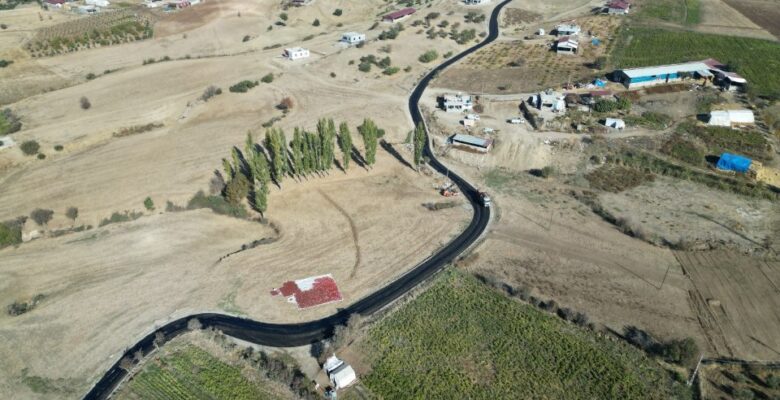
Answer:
(725, 17)
(364, 227)
(515, 65)
(736, 301)
(765, 13)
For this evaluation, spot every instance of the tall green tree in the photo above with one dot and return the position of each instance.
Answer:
(278, 159)
(369, 131)
(237, 164)
(345, 143)
(297, 152)
(286, 165)
(419, 144)
(228, 168)
(260, 198)
(259, 167)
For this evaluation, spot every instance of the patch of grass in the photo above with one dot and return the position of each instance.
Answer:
(121, 217)
(650, 120)
(617, 178)
(191, 373)
(10, 233)
(757, 59)
(462, 339)
(684, 150)
(9, 122)
(722, 139)
(217, 204)
(675, 11)
(498, 179)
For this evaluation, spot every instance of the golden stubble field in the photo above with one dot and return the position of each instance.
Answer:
(106, 287)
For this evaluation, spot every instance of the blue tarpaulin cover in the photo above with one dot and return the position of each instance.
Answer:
(599, 83)
(733, 162)
(595, 42)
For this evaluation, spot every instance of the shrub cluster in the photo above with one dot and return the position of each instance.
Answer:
(243, 86)
(428, 56)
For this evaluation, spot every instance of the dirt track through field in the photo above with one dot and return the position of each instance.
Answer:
(352, 227)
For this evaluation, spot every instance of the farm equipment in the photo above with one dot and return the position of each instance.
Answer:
(449, 190)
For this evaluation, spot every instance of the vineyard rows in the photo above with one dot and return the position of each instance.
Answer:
(104, 29)
(462, 339)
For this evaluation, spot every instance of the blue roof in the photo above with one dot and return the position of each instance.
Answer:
(733, 162)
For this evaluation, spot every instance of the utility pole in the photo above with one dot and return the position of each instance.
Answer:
(695, 371)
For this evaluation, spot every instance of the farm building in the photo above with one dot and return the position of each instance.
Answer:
(615, 123)
(475, 2)
(341, 375)
(456, 103)
(618, 7)
(567, 30)
(296, 53)
(153, 3)
(396, 15)
(730, 81)
(731, 117)
(733, 162)
(472, 142)
(554, 100)
(55, 3)
(98, 3)
(353, 37)
(706, 70)
(566, 45)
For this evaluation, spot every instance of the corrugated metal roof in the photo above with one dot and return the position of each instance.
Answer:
(472, 140)
(665, 69)
(400, 13)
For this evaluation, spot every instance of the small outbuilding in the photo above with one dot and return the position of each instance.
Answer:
(731, 118)
(475, 2)
(396, 15)
(472, 142)
(618, 7)
(615, 123)
(98, 3)
(341, 375)
(353, 37)
(733, 162)
(567, 30)
(296, 53)
(457, 103)
(566, 45)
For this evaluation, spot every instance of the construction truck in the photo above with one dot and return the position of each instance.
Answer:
(485, 199)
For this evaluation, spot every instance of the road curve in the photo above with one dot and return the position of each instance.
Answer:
(289, 335)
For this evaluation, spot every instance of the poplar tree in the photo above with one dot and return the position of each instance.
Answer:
(259, 167)
(419, 144)
(368, 131)
(277, 158)
(297, 152)
(228, 168)
(260, 198)
(237, 164)
(345, 143)
(282, 138)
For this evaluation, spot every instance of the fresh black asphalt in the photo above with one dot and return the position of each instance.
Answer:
(290, 335)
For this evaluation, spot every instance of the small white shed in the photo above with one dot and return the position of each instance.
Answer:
(341, 375)
(353, 37)
(296, 53)
(99, 3)
(731, 117)
(615, 123)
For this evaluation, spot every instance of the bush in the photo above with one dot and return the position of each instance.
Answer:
(744, 394)
(283, 16)
(391, 70)
(84, 102)
(72, 213)
(41, 216)
(237, 189)
(428, 56)
(246, 38)
(30, 147)
(58, 147)
(5, 63)
(268, 78)
(286, 104)
(91, 76)
(149, 204)
(120, 217)
(10, 234)
(681, 352)
(773, 381)
(316, 22)
(243, 86)
(217, 204)
(41, 156)
(9, 122)
(338, 12)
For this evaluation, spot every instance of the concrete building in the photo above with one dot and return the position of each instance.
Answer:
(709, 70)
(475, 2)
(615, 123)
(98, 3)
(567, 30)
(731, 118)
(457, 103)
(353, 37)
(396, 15)
(341, 375)
(618, 7)
(555, 101)
(472, 142)
(566, 45)
(296, 53)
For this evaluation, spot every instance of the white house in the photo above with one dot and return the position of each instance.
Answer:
(99, 3)
(296, 53)
(475, 2)
(566, 45)
(615, 123)
(457, 103)
(618, 7)
(567, 29)
(353, 37)
(731, 117)
(554, 100)
(341, 375)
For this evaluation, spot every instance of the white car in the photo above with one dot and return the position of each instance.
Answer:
(516, 121)
(473, 117)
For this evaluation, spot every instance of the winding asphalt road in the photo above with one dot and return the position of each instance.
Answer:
(289, 335)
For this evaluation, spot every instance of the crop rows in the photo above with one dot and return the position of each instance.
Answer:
(191, 373)
(103, 29)
(461, 339)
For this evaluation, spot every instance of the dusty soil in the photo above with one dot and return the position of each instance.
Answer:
(736, 301)
(671, 211)
(516, 65)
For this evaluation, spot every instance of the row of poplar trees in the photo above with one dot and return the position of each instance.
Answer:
(250, 174)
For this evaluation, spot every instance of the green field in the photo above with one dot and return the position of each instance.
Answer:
(191, 373)
(675, 11)
(460, 339)
(757, 60)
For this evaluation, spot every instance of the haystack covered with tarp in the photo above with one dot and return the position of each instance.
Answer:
(733, 162)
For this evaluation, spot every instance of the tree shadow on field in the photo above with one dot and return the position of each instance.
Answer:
(357, 158)
(393, 152)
